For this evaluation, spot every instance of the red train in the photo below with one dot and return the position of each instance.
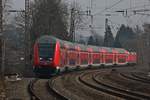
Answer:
(52, 55)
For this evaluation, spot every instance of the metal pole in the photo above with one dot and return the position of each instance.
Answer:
(149, 69)
(3, 57)
(1, 17)
(1, 40)
(72, 26)
(27, 35)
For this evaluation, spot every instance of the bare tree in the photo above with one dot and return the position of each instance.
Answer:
(6, 7)
(49, 17)
(20, 20)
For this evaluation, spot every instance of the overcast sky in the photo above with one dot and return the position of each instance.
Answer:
(18, 4)
(102, 7)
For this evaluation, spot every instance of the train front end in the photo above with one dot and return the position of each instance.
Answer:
(46, 56)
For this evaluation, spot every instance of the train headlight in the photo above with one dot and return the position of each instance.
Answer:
(40, 58)
(57, 67)
(50, 59)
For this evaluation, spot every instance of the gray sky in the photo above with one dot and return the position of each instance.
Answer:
(99, 9)
(18, 4)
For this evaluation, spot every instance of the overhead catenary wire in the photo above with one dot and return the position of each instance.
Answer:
(108, 7)
(132, 8)
(143, 14)
(109, 11)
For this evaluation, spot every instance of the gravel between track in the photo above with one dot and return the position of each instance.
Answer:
(72, 88)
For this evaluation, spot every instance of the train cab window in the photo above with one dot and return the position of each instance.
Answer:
(46, 50)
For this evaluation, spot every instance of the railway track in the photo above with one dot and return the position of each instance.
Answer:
(125, 93)
(57, 88)
(48, 89)
(101, 85)
(66, 87)
(56, 92)
(147, 79)
(42, 90)
(33, 95)
(136, 78)
(69, 86)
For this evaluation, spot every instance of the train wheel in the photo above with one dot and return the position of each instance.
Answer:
(115, 65)
(89, 66)
(102, 66)
(66, 69)
(58, 71)
(77, 68)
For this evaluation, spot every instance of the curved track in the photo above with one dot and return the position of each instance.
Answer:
(101, 85)
(142, 77)
(125, 93)
(31, 90)
(91, 85)
(40, 89)
(136, 78)
(69, 86)
(53, 89)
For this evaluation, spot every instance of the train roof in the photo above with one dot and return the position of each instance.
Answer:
(73, 46)
(121, 50)
(47, 39)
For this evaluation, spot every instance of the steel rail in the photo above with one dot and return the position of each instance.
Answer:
(103, 87)
(31, 90)
(56, 92)
(122, 92)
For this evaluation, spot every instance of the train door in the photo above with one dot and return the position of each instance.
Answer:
(78, 56)
(62, 57)
(114, 57)
(126, 57)
(100, 55)
(66, 56)
(104, 56)
(89, 57)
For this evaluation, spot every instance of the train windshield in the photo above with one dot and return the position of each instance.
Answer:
(46, 50)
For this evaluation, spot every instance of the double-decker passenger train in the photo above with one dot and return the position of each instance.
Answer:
(52, 55)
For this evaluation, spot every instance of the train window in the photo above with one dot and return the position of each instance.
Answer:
(84, 57)
(72, 56)
(46, 50)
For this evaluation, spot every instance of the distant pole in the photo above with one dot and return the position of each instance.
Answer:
(1, 17)
(72, 24)
(27, 35)
(90, 14)
(1, 41)
(106, 24)
(91, 4)
(3, 57)
(149, 69)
